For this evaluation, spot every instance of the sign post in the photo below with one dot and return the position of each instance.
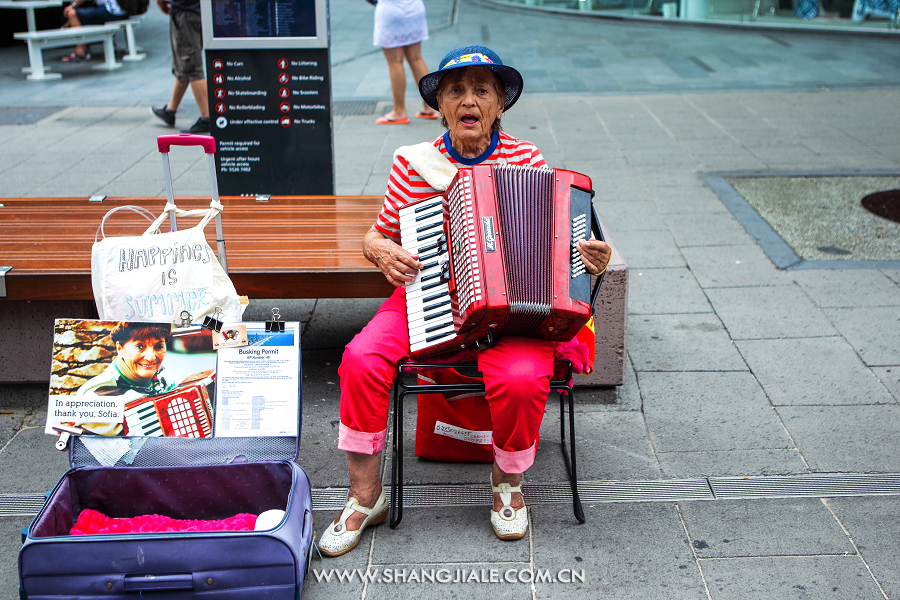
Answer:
(269, 80)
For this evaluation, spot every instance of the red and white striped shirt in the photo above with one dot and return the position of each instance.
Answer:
(406, 185)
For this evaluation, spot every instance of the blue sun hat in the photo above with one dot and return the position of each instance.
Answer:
(471, 56)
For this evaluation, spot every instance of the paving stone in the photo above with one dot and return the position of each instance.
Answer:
(30, 464)
(873, 332)
(733, 266)
(846, 439)
(656, 176)
(681, 343)
(627, 551)
(318, 453)
(744, 161)
(10, 422)
(620, 185)
(731, 463)
(463, 580)
(608, 446)
(10, 544)
(336, 321)
(874, 527)
(832, 372)
(455, 533)
(703, 229)
(630, 215)
(641, 251)
(666, 291)
(890, 377)
(709, 411)
(763, 527)
(625, 397)
(768, 312)
(848, 288)
(789, 578)
(688, 200)
(358, 558)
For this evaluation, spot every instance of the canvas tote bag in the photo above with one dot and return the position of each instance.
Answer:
(153, 277)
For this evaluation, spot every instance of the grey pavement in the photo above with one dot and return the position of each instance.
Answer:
(736, 370)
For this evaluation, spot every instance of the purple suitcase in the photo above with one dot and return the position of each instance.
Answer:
(235, 478)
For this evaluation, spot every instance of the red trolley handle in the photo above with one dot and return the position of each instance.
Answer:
(186, 139)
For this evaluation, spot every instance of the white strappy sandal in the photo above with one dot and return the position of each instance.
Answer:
(337, 540)
(508, 522)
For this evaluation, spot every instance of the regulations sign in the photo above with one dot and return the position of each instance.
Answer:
(270, 113)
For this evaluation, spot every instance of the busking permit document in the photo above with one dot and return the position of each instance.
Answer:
(258, 391)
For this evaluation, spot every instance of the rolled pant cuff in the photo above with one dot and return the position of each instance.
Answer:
(514, 462)
(360, 441)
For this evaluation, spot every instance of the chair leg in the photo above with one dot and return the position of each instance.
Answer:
(396, 511)
(571, 465)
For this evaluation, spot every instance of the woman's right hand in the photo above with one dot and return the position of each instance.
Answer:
(398, 265)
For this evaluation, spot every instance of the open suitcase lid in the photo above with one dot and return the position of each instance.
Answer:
(177, 451)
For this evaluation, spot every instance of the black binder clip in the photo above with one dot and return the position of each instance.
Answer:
(275, 325)
(213, 322)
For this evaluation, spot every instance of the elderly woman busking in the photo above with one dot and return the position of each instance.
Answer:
(471, 89)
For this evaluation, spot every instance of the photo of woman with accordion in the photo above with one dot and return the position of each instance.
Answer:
(471, 89)
(136, 379)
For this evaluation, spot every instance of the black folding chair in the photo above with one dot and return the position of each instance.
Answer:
(403, 388)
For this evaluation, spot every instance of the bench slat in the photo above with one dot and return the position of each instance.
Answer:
(289, 247)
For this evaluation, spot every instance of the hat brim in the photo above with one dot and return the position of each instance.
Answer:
(512, 81)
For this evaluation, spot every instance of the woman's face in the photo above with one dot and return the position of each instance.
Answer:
(144, 357)
(469, 101)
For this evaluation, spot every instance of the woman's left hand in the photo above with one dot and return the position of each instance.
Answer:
(595, 255)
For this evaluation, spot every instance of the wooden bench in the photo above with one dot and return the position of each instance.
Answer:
(287, 247)
(86, 34)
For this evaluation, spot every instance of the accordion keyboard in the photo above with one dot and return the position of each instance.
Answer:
(429, 315)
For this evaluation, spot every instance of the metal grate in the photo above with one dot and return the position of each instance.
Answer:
(20, 505)
(805, 486)
(329, 498)
(353, 108)
(667, 490)
(26, 115)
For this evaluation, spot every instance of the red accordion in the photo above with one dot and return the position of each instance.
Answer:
(184, 412)
(500, 258)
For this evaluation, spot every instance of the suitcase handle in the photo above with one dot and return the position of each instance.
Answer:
(186, 139)
(150, 583)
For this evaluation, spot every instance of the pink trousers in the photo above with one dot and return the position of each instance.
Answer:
(516, 372)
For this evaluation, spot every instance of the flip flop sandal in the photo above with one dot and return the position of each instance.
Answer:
(433, 115)
(386, 121)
